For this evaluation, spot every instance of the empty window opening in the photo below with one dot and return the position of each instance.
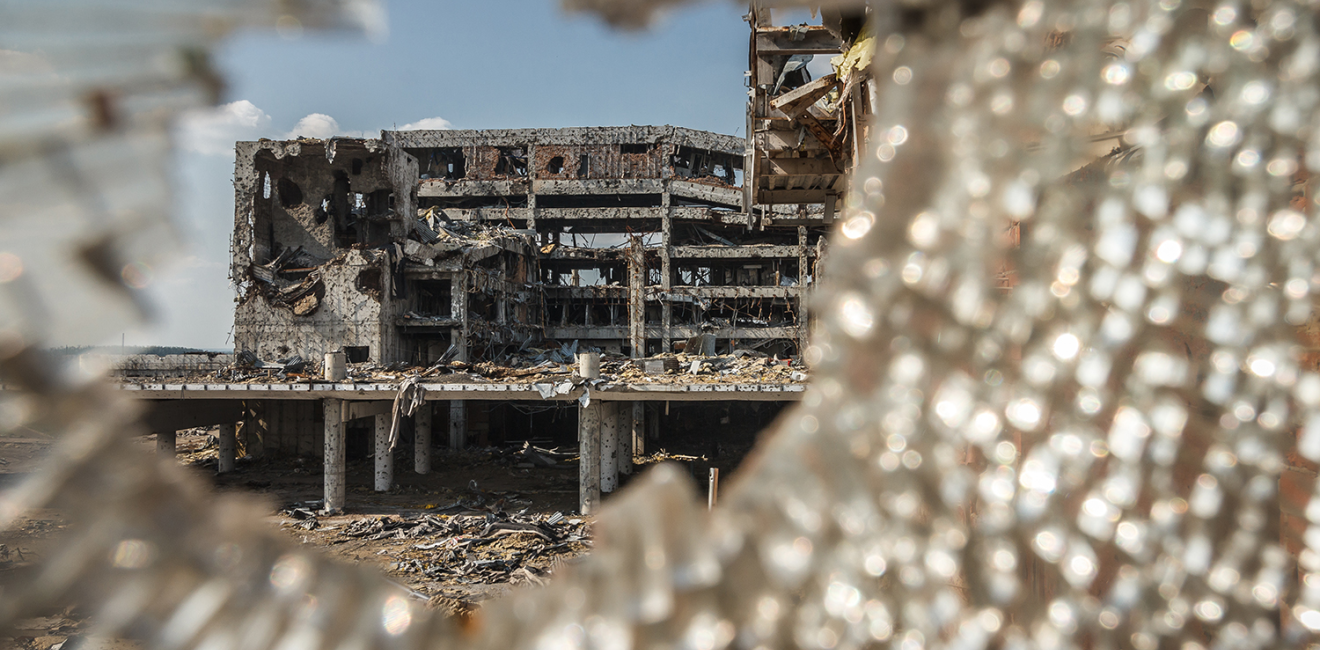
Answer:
(357, 353)
(471, 202)
(584, 166)
(434, 298)
(448, 163)
(512, 162)
(482, 306)
(599, 201)
(555, 166)
(369, 282)
(265, 188)
(357, 166)
(429, 349)
(290, 194)
(635, 148)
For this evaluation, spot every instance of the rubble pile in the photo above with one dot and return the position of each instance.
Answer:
(739, 367)
(533, 365)
(472, 542)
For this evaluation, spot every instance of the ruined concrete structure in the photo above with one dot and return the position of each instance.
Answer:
(476, 262)
(469, 245)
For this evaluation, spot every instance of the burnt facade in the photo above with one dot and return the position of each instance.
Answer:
(473, 245)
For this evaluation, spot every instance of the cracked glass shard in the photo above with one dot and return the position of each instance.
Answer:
(1113, 449)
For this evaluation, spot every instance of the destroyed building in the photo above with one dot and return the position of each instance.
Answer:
(466, 268)
(477, 244)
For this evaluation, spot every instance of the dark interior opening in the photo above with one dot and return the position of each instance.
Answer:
(357, 166)
(584, 166)
(482, 306)
(290, 194)
(369, 282)
(357, 353)
(434, 298)
(472, 202)
(445, 162)
(634, 148)
(512, 162)
(555, 166)
(600, 201)
(427, 349)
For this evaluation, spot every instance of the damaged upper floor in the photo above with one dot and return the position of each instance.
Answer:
(423, 244)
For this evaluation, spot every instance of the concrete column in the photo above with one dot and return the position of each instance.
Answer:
(457, 424)
(384, 458)
(800, 303)
(666, 268)
(636, 436)
(589, 457)
(609, 447)
(588, 365)
(335, 367)
(228, 447)
(166, 444)
(422, 439)
(637, 298)
(334, 454)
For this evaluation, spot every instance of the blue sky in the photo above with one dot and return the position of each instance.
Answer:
(477, 65)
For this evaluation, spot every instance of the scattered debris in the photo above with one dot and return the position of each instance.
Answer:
(463, 543)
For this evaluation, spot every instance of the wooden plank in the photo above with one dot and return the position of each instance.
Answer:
(815, 128)
(777, 140)
(795, 102)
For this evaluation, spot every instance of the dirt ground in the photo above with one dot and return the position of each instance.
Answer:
(481, 523)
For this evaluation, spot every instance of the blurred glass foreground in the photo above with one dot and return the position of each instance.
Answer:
(1117, 452)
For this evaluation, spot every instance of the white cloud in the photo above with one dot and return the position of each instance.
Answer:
(428, 124)
(213, 131)
(316, 125)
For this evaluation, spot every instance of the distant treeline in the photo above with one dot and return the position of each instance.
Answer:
(156, 350)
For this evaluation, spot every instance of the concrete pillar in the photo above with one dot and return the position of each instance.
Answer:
(334, 454)
(457, 425)
(335, 367)
(228, 447)
(422, 439)
(636, 434)
(589, 457)
(637, 298)
(588, 365)
(166, 444)
(639, 430)
(384, 458)
(609, 447)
